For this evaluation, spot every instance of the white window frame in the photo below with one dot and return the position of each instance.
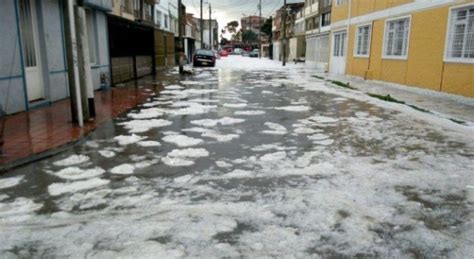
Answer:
(447, 44)
(344, 46)
(385, 38)
(340, 2)
(92, 36)
(369, 40)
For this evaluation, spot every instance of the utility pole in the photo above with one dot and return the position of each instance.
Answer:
(250, 29)
(260, 30)
(180, 38)
(72, 63)
(210, 26)
(202, 28)
(85, 73)
(284, 33)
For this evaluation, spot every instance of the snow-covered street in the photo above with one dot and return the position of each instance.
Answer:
(250, 159)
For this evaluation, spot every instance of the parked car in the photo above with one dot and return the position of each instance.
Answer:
(245, 54)
(204, 57)
(237, 51)
(255, 53)
(223, 53)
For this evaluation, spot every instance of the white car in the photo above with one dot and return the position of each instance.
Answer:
(237, 51)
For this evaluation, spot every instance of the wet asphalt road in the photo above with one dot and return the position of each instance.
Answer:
(253, 163)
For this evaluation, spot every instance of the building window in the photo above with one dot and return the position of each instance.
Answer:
(166, 21)
(460, 41)
(158, 18)
(315, 22)
(137, 8)
(309, 24)
(362, 41)
(396, 38)
(339, 44)
(326, 19)
(340, 2)
(327, 3)
(148, 12)
(91, 34)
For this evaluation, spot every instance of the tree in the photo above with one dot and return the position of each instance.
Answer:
(267, 27)
(224, 41)
(237, 36)
(231, 27)
(249, 36)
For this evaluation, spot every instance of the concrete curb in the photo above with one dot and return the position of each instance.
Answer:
(40, 156)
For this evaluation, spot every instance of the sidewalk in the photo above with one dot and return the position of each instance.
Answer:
(32, 135)
(440, 103)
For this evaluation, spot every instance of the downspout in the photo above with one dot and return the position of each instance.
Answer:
(348, 33)
(25, 89)
(74, 69)
(61, 15)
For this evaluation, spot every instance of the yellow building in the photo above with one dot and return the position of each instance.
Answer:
(422, 43)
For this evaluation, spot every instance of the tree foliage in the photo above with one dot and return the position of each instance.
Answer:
(237, 36)
(267, 26)
(231, 27)
(249, 36)
(224, 41)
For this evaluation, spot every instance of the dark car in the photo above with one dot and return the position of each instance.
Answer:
(254, 53)
(204, 57)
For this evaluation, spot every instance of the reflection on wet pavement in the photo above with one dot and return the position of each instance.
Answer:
(230, 163)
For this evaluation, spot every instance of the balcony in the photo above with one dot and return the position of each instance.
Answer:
(103, 5)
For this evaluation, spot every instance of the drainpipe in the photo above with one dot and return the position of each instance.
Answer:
(2, 126)
(348, 25)
(72, 63)
(348, 33)
(284, 33)
(85, 74)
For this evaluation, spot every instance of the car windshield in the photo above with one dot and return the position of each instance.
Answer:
(205, 52)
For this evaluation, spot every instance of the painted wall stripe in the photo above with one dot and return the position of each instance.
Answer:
(11, 77)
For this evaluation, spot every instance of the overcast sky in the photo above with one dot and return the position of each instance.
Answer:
(230, 10)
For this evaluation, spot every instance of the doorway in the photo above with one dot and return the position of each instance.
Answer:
(339, 49)
(31, 53)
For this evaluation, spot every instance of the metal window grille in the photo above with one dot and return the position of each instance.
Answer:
(362, 40)
(396, 37)
(340, 2)
(91, 34)
(27, 31)
(461, 34)
(339, 44)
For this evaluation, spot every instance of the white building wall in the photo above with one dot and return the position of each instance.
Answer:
(162, 14)
(276, 50)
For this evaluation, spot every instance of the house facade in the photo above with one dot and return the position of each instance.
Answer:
(290, 11)
(141, 38)
(33, 64)
(210, 36)
(317, 15)
(252, 23)
(165, 13)
(131, 39)
(427, 44)
(276, 31)
(297, 41)
(191, 36)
